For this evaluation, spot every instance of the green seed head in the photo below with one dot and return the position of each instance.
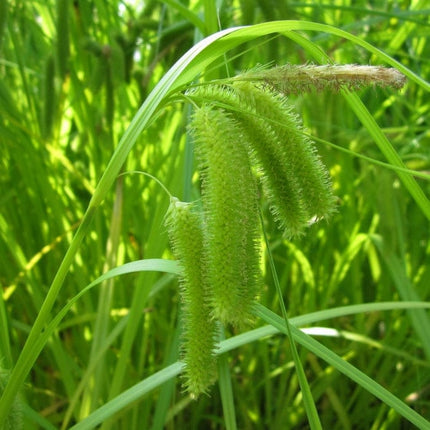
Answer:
(198, 344)
(229, 196)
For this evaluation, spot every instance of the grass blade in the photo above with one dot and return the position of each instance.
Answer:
(129, 396)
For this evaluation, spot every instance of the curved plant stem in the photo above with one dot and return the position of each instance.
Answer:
(308, 400)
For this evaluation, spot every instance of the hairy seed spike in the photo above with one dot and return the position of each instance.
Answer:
(186, 236)
(231, 214)
(299, 154)
(266, 151)
(276, 150)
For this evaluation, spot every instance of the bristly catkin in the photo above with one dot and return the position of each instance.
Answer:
(229, 197)
(184, 226)
(297, 161)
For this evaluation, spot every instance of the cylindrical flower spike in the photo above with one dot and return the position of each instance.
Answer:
(185, 232)
(296, 155)
(295, 181)
(229, 196)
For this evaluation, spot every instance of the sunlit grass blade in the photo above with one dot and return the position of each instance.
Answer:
(389, 152)
(314, 317)
(226, 389)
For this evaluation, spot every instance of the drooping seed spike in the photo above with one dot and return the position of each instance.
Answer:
(298, 155)
(265, 150)
(229, 198)
(198, 344)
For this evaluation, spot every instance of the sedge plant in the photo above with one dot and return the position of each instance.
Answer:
(235, 117)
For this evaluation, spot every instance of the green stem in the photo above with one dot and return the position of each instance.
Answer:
(308, 400)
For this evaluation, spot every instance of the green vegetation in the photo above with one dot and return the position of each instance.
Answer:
(91, 322)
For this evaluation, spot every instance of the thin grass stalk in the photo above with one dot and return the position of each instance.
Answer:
(91, 368)
(5, 346)
(167, 390)
(397, 269)
(308, 400)
(226, 388)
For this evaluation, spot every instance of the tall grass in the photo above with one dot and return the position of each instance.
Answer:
(89, 313)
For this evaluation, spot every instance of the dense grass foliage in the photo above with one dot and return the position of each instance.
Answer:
(90, 315)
